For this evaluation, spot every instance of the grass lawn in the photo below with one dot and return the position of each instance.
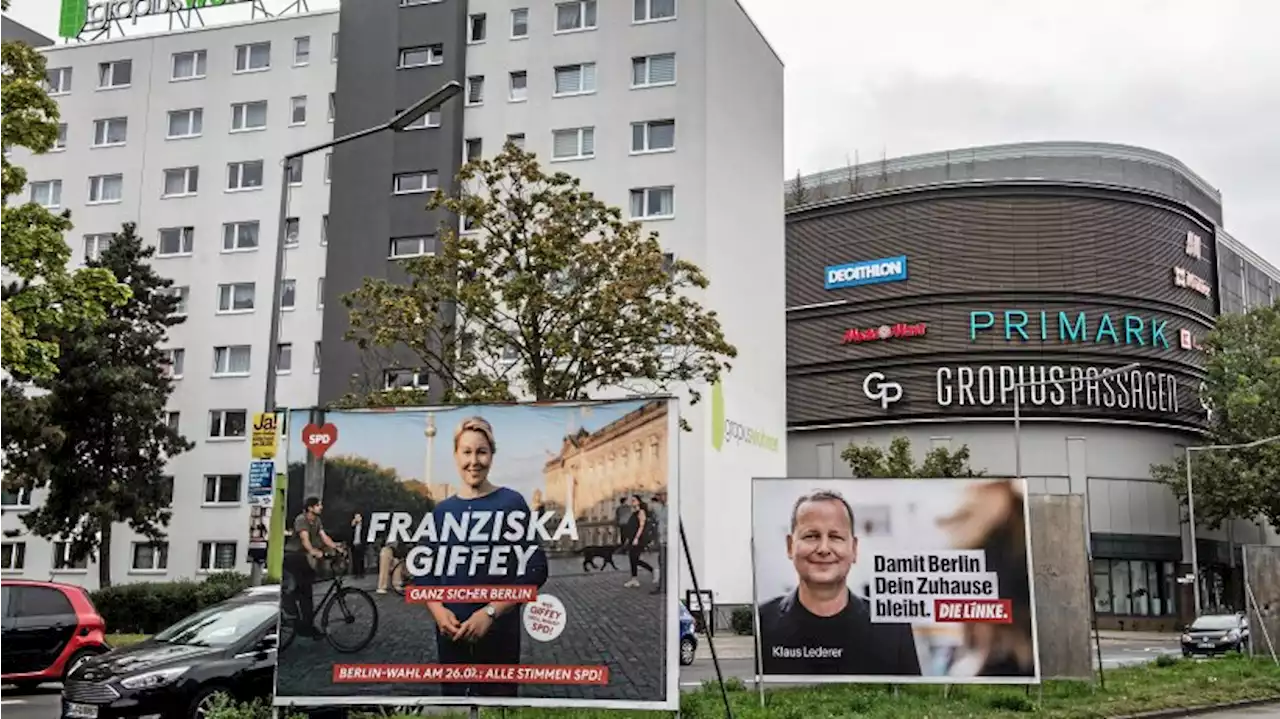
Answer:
(124, 640)
(1129, 691)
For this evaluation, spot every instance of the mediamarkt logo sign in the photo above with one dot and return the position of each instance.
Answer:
(884, 332)
(76, 16)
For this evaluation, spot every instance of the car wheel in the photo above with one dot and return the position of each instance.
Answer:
(205, 700)
(688, 649)
(75, 661)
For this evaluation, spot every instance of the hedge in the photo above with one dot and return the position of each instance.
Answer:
(148, 607)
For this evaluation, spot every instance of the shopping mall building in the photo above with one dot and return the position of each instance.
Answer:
(920, 290)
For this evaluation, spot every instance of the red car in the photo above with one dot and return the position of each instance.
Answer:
(49, 629)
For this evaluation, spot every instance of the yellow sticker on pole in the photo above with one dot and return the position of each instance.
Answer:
(266, 435)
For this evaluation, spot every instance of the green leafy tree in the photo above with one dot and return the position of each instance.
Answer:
(95, 433)
(555, 294)
(871, 462)
(43, 298)
(355, 484)
(1242, 392)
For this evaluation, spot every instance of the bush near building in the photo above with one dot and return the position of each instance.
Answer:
(148, 607)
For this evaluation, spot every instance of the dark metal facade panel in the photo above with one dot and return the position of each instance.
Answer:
(1087, 276)
(363, 213)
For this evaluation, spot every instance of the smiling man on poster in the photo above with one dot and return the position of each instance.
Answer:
(820, 627)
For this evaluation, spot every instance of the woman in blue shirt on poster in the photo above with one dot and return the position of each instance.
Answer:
(479, 633)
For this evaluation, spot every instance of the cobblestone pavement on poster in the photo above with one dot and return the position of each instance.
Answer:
(607, 624)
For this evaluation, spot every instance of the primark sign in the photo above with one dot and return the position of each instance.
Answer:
(1067, 386)
(76, 16)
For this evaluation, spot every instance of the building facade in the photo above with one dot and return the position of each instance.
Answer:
(649, 103)
(923, 292)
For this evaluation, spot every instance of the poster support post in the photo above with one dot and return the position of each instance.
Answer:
(711, 643)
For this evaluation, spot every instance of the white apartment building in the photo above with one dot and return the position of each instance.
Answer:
(668, 109)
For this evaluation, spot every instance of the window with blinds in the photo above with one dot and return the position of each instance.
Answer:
(653, 70)
(576, 79)
(574, 143)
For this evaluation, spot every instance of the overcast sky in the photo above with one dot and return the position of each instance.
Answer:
(1191, 78)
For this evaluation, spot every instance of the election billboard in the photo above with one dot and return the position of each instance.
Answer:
(491, 555)
(893, 580)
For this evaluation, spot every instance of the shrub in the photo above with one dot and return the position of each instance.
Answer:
(148, 607)
(1166, 660)
(742, 621)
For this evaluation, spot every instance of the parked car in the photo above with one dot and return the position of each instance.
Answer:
(688, 640)
(228, 649)
(1216, 634)
(49, 630)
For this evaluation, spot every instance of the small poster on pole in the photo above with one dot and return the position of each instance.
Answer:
(262, 474)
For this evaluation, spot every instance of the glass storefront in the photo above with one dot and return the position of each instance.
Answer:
(1135, 587)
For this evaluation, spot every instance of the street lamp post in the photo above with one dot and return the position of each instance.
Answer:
(397, 123)
(1191, 505)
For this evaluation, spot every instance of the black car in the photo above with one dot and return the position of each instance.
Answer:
(1216, 634)
(228, 649)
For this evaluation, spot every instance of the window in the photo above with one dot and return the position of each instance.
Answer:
(189, 65)
(288, 294)
(291, 228)
(185, 123)
(95, 244)
(249, 116)
(412, 182)
(47, 193)
(473, 148)
(333, 48)
(654, 10)
(333, 106)
(431, 119)
(652, 203)
(233, 360)
(320, 293)
(110, 132)
(577, 15)
(181, 181)
(173, 420)
(236, 297)
(253, 57)
(404, 379)
(217, 556)
(238, 236)
(62, 561)
(301, 51)
(13, 557)
(519, 91)
(116, 73)
(148, 557)
(573, 144)
(1134, 587)
(176, 241)
(402, 247)
(226, 423)
(298, 110)
(328, 167)
(176, 359)
(520, 23)
(20, 498)
(182, 293)
(324, 230)
(669, 263)
(653, 70)
(653, 136)
(284, 358)
(576, 79)
(58, 80)
(60, 142)
(222, 489)
(105, 188)
(246, 175)
(315, 359)
(421, 56)
(294, 169)
(475, 90)
(516, 139)
(410, 3)
(477, 28)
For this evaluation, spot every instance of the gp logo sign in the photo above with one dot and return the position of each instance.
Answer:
(319, 438)
(878, 389)
(724, 430)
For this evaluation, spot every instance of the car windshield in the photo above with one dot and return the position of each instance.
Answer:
(219, 626)
(1217, 622)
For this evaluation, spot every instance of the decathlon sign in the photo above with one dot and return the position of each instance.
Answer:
(76, 16)
(869, 272)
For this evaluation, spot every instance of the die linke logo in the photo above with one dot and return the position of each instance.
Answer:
(869, 272)
(884, 332)
(1185, 278)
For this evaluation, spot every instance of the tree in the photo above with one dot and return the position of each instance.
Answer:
(553, 296)
(1242, 393)
(356, 484)
(870, 462)
(799, 193)
(97, 437)
(44, 298)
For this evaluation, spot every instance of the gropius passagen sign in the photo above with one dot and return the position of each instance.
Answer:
(77, 16)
